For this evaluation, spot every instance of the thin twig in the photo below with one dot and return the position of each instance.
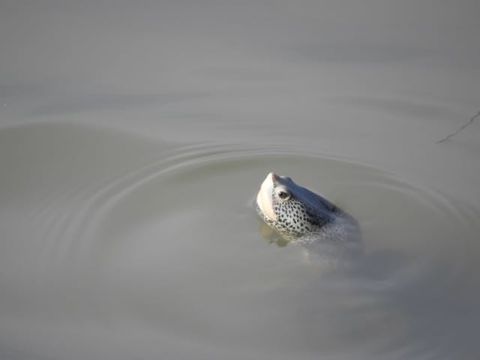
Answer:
(470, 122)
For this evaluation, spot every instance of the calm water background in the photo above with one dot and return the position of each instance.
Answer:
(135, 134)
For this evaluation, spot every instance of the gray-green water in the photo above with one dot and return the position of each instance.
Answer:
(134, 137)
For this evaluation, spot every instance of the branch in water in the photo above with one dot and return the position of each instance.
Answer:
(470, 122)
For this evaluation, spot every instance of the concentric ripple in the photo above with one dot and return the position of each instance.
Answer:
(124, 248)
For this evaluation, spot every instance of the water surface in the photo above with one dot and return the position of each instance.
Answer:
(133, 140)
(164, 246)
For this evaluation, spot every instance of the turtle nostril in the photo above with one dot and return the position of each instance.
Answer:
(275, 177)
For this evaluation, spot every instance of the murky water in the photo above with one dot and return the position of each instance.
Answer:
(135, 248)
(133, 140)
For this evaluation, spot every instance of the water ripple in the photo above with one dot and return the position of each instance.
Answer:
(171, 244)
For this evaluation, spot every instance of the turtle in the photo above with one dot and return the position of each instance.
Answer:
(303, 217)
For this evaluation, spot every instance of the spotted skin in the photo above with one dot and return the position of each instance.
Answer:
(302, 216)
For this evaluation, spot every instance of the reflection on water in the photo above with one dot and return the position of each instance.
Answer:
(118, 247)
(104, 102)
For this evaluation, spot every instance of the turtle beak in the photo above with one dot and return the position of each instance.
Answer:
(264, 196)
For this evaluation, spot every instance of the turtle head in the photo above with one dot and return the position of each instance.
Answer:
(290, 209)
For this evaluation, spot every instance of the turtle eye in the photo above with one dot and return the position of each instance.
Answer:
(284, 195)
